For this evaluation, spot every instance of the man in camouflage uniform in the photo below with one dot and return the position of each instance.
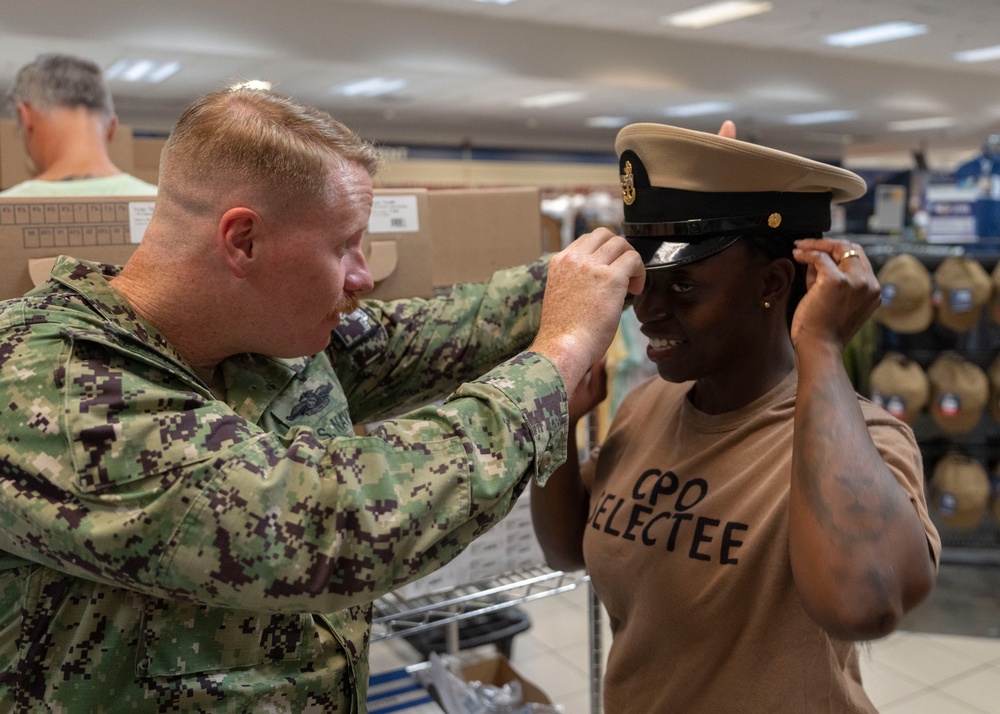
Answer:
(182, 491)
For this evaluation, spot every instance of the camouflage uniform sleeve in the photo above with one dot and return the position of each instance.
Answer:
(406, 353)
(117, 471)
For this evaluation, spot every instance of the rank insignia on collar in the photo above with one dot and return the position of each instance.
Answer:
(628, 184)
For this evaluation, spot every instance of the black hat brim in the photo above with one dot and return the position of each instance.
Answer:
(657, 253)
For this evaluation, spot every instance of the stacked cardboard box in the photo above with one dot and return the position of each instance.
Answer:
(417, 239)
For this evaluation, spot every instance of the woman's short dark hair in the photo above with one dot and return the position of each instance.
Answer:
(776, 248)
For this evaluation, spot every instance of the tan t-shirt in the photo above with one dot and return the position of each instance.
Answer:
(687, 547)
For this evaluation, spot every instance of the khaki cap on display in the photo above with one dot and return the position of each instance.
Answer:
(959, 392)
(963, 288)
(900, 386)
(689, 194)
(906, 295)
(959, 491)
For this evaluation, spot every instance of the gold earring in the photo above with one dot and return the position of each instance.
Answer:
(767, 305)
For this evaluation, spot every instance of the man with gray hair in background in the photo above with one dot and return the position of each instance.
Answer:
(67, 119)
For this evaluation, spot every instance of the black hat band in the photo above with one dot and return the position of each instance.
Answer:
(699, 227)
(724, 213)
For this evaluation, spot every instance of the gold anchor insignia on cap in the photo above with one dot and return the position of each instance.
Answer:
(774, 220)
(628, 185)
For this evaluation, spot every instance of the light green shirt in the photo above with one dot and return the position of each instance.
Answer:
(118, 185)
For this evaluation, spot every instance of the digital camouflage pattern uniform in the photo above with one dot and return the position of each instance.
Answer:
(165, 550)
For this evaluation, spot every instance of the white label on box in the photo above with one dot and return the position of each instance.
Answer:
(139, 213)
(394, 214)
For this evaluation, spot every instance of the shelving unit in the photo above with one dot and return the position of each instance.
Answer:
(980, 545)
(396, 615)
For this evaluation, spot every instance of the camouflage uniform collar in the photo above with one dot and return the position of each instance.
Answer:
(91, 280)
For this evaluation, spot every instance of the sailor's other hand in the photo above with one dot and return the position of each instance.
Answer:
(586, 287)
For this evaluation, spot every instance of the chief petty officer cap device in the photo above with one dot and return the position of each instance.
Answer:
(689, 194)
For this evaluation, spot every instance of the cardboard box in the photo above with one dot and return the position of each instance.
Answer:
(15, 166)
(34, 231)
(456, 688)
(397, 244)
(146, 152)
(498, 671)
(475, 232)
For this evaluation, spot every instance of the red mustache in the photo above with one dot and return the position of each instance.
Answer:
(349, 304)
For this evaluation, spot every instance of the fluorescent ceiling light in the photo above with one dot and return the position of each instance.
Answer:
(875, 33)
(497, 2)
(716, 13)
(983, 54)
(915, 104)
(699, 109)
(252, 84)
(821, 117)
(793, 94)
(372, 87)
(553, 99)
(918, 124)
(607, 122)
(141, 70)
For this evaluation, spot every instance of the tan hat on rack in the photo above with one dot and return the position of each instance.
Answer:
(959, 392)
(962, 290)
(900, 386)
(906, 295)
(959, 491)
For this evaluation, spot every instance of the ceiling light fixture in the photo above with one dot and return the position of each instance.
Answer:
(716, 13)
(141, 70)
(875, 33)
(919, 124)
(552, 99)
(607, 122)
(497, 2)
(372, 87)
(983, 54)
(699, 109)
(821, 117)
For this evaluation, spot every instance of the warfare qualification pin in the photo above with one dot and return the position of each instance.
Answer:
(628, 185)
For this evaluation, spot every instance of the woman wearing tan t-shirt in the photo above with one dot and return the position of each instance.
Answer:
(749, 517)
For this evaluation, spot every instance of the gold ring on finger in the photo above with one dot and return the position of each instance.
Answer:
(849, 254)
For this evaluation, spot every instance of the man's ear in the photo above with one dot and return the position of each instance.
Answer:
(239, 229)
(112, 128)
(25, 116)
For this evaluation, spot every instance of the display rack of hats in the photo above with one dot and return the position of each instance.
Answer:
(937, 367)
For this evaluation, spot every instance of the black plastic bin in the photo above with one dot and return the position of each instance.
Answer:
(498, 627)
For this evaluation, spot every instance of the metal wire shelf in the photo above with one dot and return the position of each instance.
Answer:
(397, 615)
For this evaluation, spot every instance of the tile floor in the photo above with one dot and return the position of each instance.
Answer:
(945, 659)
